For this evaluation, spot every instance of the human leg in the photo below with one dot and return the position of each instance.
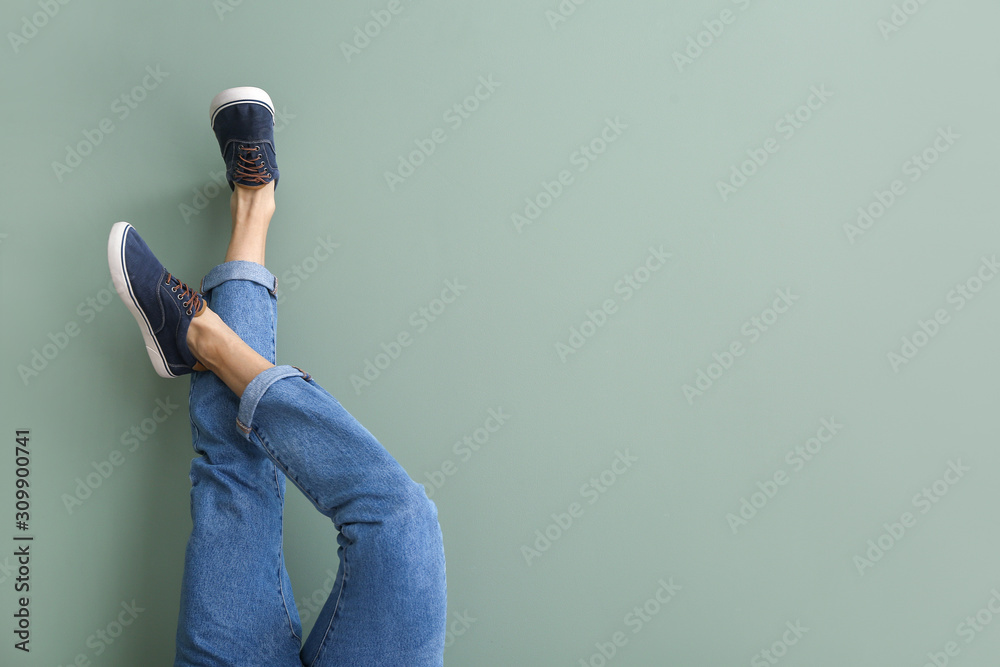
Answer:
(237, 606)
(388, 604)
(236, 602)
(209, 337)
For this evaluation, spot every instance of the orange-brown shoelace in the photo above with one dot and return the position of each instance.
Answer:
(251, 169)
(194, 303)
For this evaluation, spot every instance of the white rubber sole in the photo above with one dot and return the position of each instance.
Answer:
(116, 262)
(241, 95)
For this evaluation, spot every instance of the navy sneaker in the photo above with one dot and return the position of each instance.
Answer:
(161, 304)
(243, 122)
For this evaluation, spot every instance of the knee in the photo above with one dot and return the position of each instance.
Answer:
(414, 506)
(417, 534)
(411, 517)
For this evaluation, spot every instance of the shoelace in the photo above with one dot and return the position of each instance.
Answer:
(250, 166)
(194, 303)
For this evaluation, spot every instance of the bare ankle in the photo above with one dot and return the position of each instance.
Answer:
(251, 210)
(202, 336)
(251, 219)
(253, 202)
(224, 353)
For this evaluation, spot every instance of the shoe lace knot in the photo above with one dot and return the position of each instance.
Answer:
(189, 298)
(251, 166)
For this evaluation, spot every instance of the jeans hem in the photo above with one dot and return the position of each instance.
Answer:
(256, 389)
(239, 269)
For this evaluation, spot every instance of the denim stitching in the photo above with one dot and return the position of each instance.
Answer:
(281, 587)
(277, 484)
(195, 431)
(281, 593)
(279, 464)
(333, 615)
(274, 329)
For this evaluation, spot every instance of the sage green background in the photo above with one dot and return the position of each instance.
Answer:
(347, 121)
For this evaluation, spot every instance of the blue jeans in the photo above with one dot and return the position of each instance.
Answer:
(388, 604)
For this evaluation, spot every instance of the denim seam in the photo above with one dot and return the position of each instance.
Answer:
(281, 559)
(277, 483)
(284, 469)
(281, 594)
(333, 615)
(273, 316)
(195, 431)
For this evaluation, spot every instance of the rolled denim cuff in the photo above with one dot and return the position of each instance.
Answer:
(255, 391)
(239, 270)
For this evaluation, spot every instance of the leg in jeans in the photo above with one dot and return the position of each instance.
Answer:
(236, 601)
(388, 602)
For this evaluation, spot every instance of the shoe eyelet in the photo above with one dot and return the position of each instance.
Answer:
(180, 296)
(174, 289)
